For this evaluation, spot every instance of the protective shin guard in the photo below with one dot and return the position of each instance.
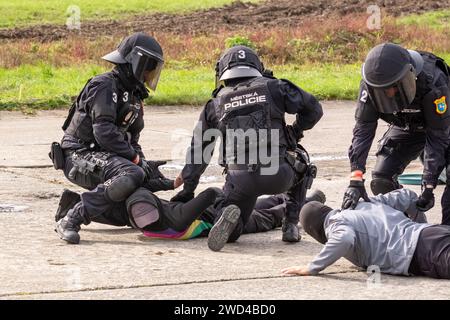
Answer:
(383, 185)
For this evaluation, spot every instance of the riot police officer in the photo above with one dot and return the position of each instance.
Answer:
(247, 111)
(101, 134)
(409, 90)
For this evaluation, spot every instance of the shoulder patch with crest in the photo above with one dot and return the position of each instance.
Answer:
(441, 105)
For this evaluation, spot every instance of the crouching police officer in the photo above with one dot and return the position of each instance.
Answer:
(248, 109)
(101, 134)
(409, 90)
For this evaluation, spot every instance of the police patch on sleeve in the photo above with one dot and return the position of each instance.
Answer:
(441, 105)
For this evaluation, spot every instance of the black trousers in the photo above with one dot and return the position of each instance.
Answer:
(174, 215)
(267, 214)
(95, 203)
(396, 151)
(242, 188)
(432, 255)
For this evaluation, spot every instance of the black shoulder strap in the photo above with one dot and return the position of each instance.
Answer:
(73, 108)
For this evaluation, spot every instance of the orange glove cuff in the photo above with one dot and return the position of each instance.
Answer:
(357, 174)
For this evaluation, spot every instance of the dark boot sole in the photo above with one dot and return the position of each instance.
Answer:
(221, 231)
(71, 240)
(291, 240)
(317, 195)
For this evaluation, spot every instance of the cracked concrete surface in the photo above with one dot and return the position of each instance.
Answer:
(118, 263)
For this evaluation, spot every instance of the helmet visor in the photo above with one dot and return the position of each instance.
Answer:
(397, 96)
(146, 66)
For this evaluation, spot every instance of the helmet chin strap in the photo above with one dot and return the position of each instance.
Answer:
(129, 81)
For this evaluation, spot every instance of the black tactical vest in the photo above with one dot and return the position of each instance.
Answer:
(246, 115)
(116, 102)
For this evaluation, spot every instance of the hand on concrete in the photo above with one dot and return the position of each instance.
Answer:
(297, 270)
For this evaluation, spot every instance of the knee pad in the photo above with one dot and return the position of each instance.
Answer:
(137, 173)
(118, 188)
(383, 185)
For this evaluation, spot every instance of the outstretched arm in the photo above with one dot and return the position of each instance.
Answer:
(198, 155)
(340, 242)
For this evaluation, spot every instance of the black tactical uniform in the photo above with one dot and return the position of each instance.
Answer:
(101, 134)
(250, 101)
(418, 116)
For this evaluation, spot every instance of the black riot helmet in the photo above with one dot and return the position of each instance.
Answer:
(145, 56)
(390, 73)
(238, 62)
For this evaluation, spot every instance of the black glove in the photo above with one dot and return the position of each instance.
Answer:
(355, 191)
(183, 196)
(151, 169)
(426, 200)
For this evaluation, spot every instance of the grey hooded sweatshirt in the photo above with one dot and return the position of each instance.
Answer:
(376, 233)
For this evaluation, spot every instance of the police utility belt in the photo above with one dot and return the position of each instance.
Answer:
(88, 163)
(290, 158)
(250, 167)
(58, 155)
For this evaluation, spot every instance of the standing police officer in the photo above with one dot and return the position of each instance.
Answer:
(249, 106)
(101, 134)
(409, 90)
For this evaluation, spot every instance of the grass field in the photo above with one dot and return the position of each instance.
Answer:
(45, 87)
(16, 13)
(325, 61)
(439, 20)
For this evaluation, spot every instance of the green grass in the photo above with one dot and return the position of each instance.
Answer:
(45, 87)
(438, 20)
(17, 13)
(325, 81)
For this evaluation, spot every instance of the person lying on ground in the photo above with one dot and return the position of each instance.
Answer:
(159, 218)
(378, 233)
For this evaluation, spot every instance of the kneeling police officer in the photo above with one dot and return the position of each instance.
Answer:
(101, 134)
(248, 109)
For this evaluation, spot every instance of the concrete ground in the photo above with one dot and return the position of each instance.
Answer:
(118, 263)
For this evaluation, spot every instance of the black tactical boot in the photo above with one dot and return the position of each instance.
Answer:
(68, 200)
(316, 195)
(222, 229)
(68, 227)
(291, 232)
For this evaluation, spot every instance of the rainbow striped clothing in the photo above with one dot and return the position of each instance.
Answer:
(196, 229)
